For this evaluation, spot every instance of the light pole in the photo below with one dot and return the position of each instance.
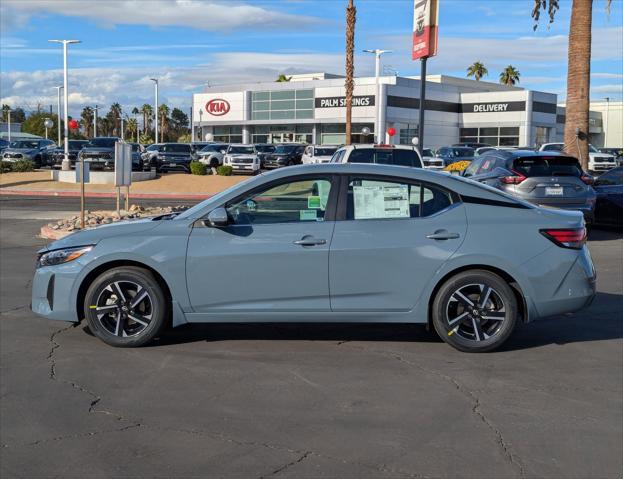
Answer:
(48, 124)
(95, 120)
(380, 136)
(8, 114)
(58, 112)
(200, 124)
(122, 133)
(155, 80)
(606, 125)
(65, 165)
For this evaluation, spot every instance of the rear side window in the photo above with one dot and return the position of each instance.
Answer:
(381, 199)
(547, 166)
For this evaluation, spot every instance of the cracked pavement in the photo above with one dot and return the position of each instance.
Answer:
(292, 400)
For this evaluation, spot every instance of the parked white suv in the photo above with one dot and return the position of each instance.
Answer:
(242, 158)
(597, 161)
(430, 161)
(212, 155)
(401, 155)
(318, 153)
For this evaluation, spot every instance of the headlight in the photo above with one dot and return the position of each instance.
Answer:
(60, 256)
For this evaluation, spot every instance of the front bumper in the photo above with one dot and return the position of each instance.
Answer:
(53, 291)
(244, 167)
(601, 166)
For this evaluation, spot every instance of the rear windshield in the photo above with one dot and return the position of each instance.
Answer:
(385, 156)
(547, 166)
(553, 147)
(173, 148)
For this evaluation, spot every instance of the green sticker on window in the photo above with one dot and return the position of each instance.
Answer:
(313, 202)
(308, 215)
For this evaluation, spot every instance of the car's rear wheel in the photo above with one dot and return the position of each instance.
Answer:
(126, 307)
(475, 311)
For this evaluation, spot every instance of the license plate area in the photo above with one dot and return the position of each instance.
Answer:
(553, 191)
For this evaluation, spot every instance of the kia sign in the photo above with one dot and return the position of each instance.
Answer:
(217, 107)
(340, 101)
(425, 31)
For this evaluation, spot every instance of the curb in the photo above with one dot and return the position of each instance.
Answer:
(52, 234)
(76, 194)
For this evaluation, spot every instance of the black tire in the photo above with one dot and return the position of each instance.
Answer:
(485, 324)
(118, 323)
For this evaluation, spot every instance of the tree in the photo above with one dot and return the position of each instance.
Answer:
(509, 76)
(163, 117)
(114, 116)
(132, 127)
(17, 115)
(578, 72)
(283, 78)
(179, 118)
(351, 18)
(477, 70)
(147, 112)
(34, 124)
(87, 116)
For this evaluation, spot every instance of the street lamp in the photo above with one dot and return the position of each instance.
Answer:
(200, 124)
(8, 114)
(605, 127)
(65, 165)
(155, 80)
(48, 124)
(95, 120)
(377, 73)
(58, 112)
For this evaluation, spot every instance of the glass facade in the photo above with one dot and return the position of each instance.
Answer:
(494, 136)
(335, 134)
(281, 134)
(228, 134)
(283, 105)
(407, 133)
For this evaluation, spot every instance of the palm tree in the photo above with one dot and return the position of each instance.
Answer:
(283, 78)
(477, 70)
(87, 120)
(132, 127)
(509, 76)
(578, 72)
(147, 112)
(351, 18)
(163, 116)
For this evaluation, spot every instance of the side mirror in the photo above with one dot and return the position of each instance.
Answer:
(217, 218)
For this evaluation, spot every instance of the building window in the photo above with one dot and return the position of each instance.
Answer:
(228, 134)
(407, 133)
(542, 135)
(335, 133)
(283, 105)
(494, 136)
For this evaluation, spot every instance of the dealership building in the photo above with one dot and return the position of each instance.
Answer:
(310, 108)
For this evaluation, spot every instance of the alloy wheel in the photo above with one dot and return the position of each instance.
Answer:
(475, 312)
(124, 308)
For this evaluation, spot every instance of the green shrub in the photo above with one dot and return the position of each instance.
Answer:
(224, 170)
(197, 168)
(20, 166)
(6, 166)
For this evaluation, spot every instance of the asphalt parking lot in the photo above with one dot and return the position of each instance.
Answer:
(347, 401)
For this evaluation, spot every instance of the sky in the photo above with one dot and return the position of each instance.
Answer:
(189, 44)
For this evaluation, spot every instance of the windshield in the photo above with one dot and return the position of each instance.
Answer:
(211, 149)
(265, 148)
(152, 147)
(285, 149)
(174, 148)
(325, 151)
(467, 152)
(244, 150)
(24, 144)
(428, 152)
(102, 143)
(136, 147)
(592, 149)
(547, 166)
(76, 145)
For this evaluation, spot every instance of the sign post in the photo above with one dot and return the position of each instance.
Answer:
(425, 39)
(82, 176)
(123, 171)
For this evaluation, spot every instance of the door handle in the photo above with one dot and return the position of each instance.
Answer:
(442, 235)
(310, 241)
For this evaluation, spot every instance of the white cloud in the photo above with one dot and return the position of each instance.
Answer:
(617, 76)
(613, 88)
(202, 15)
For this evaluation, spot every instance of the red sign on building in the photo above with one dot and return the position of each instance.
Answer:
(217, 107)
(425, 31)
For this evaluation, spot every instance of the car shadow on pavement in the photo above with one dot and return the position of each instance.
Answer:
(25, 182)
(604, 233)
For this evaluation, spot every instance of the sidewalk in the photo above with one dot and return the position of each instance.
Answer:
(171, 185)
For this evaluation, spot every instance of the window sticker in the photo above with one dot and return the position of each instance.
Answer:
(374, 201)
(308, 215)
(313, 202)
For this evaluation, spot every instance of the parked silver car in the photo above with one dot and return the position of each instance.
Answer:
(542, 178)
(321, 243)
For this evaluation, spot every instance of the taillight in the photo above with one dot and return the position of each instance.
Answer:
(573, 238)
(588, 179)
(513, 180)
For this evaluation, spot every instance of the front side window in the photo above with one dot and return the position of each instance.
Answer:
(379, 199)
(295, 201)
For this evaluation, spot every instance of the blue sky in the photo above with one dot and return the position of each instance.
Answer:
(188, 43)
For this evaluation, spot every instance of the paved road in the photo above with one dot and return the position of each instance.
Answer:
(326, 401)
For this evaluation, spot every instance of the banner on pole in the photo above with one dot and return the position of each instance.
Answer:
(123, 164)
(425, 29)
(79, 173)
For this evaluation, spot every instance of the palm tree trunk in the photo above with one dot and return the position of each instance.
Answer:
(578, 81)
(351, 17)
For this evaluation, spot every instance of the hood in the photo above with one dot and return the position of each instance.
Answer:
(22, 150)
(174, 154)
(241, 155)
(98, 233)
(97, 149)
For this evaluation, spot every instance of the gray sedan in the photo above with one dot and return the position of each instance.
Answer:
(326, 242)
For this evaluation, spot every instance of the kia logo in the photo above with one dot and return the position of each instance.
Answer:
(217, 107)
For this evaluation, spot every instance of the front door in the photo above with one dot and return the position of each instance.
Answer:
(274, 255)
(395, 236)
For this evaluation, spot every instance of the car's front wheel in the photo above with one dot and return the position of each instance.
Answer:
(475, 311)
(126, 307)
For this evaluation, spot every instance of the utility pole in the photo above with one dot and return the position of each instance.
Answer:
(95, 121)
(58, 112)
(8, 113)
(155, 80)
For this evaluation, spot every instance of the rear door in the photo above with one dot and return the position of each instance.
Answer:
(393, 236)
